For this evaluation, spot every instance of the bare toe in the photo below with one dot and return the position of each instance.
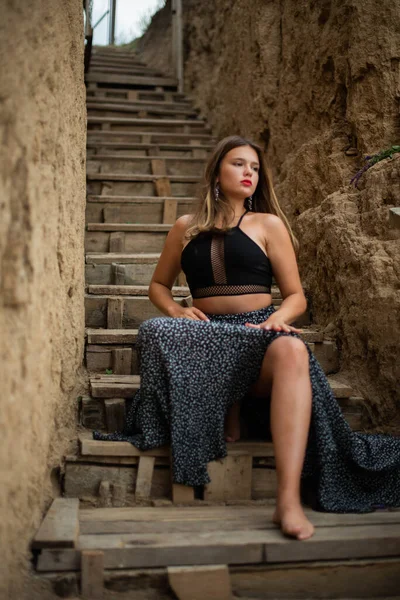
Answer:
(294, 523)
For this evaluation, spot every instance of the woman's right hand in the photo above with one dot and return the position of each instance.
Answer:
(189, 312)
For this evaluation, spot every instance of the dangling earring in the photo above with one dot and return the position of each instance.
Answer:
(216, 191)
(250, 201)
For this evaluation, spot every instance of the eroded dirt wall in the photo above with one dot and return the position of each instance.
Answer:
(42, 200)
(311, 81)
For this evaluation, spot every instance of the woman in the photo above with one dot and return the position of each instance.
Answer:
(197, 365)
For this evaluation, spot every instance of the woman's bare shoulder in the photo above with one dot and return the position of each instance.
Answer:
(183, 222)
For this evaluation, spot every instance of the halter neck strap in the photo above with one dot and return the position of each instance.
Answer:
(240, 220)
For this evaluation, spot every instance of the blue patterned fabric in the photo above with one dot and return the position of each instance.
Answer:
(193, 371)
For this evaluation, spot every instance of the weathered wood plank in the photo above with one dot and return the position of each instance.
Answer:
(182, 493)
(127, 336)
(131, 290)
(60, 527)
(143, 177)
(92, 575)
(149, 550)
(117, 241)
(115, 227)
(230, 478)
(170, 210)
(363, 578)
(115, 414)
(158, 166)
(210, 582)
(244, 518)
(122, 361)
(260, 514)
(163, 186)
(119, 274)
(144, 477)
(199, 123)
(115, 311)
(130, 80)
(90, 447)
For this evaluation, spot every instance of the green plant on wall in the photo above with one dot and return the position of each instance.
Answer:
(372, 160)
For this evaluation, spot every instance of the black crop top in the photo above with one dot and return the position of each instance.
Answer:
(226, 264)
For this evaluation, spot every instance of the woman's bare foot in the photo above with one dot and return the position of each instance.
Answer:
(293, 522)
(232, 423)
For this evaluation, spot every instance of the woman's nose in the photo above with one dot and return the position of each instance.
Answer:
(247, 170)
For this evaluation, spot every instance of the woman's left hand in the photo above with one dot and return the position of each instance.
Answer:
(276, 323)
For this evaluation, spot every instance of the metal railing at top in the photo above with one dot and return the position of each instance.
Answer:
(88, 5)
(177, 41)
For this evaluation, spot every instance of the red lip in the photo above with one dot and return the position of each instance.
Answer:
(246, 181)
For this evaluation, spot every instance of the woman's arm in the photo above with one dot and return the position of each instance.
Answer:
(166, 272)
(283, 260)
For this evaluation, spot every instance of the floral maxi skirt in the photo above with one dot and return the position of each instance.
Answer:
(193, 371)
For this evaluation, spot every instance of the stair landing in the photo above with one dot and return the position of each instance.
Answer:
(237, 546)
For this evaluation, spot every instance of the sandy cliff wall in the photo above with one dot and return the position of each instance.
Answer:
(42, 200)
(311, 81)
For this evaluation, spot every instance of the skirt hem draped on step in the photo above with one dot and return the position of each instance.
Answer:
(193, 371)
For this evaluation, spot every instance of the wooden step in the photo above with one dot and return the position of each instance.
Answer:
(135, 209)
(171, 166)
(160, 105)
(160, 149)
(159, 95)
(128, 336)
(114, 51)
(349, 578)
(131, 290)
(115, 350)
(142, 125)
(124, 386)
(143, 110)
(148, 137)
(137, 272)
(135, 184)
(241, 535)
(120, 312)
(128, 69)
(135, 238)
(139, 81)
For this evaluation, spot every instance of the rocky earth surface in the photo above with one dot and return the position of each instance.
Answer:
(42, 166)
(318, 85)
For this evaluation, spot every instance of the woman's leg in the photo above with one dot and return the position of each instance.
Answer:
(285, 375)
(232, 423)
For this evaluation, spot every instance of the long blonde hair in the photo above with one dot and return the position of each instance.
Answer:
(264, 199)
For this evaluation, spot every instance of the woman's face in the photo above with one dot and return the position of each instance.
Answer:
(239, 172)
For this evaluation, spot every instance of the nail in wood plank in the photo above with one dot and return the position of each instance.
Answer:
(92, 574)
(197, 583)
(115, 309)
(144, 477)
(60, 527)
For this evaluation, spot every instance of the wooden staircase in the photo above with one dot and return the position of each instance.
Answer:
(121, 521)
